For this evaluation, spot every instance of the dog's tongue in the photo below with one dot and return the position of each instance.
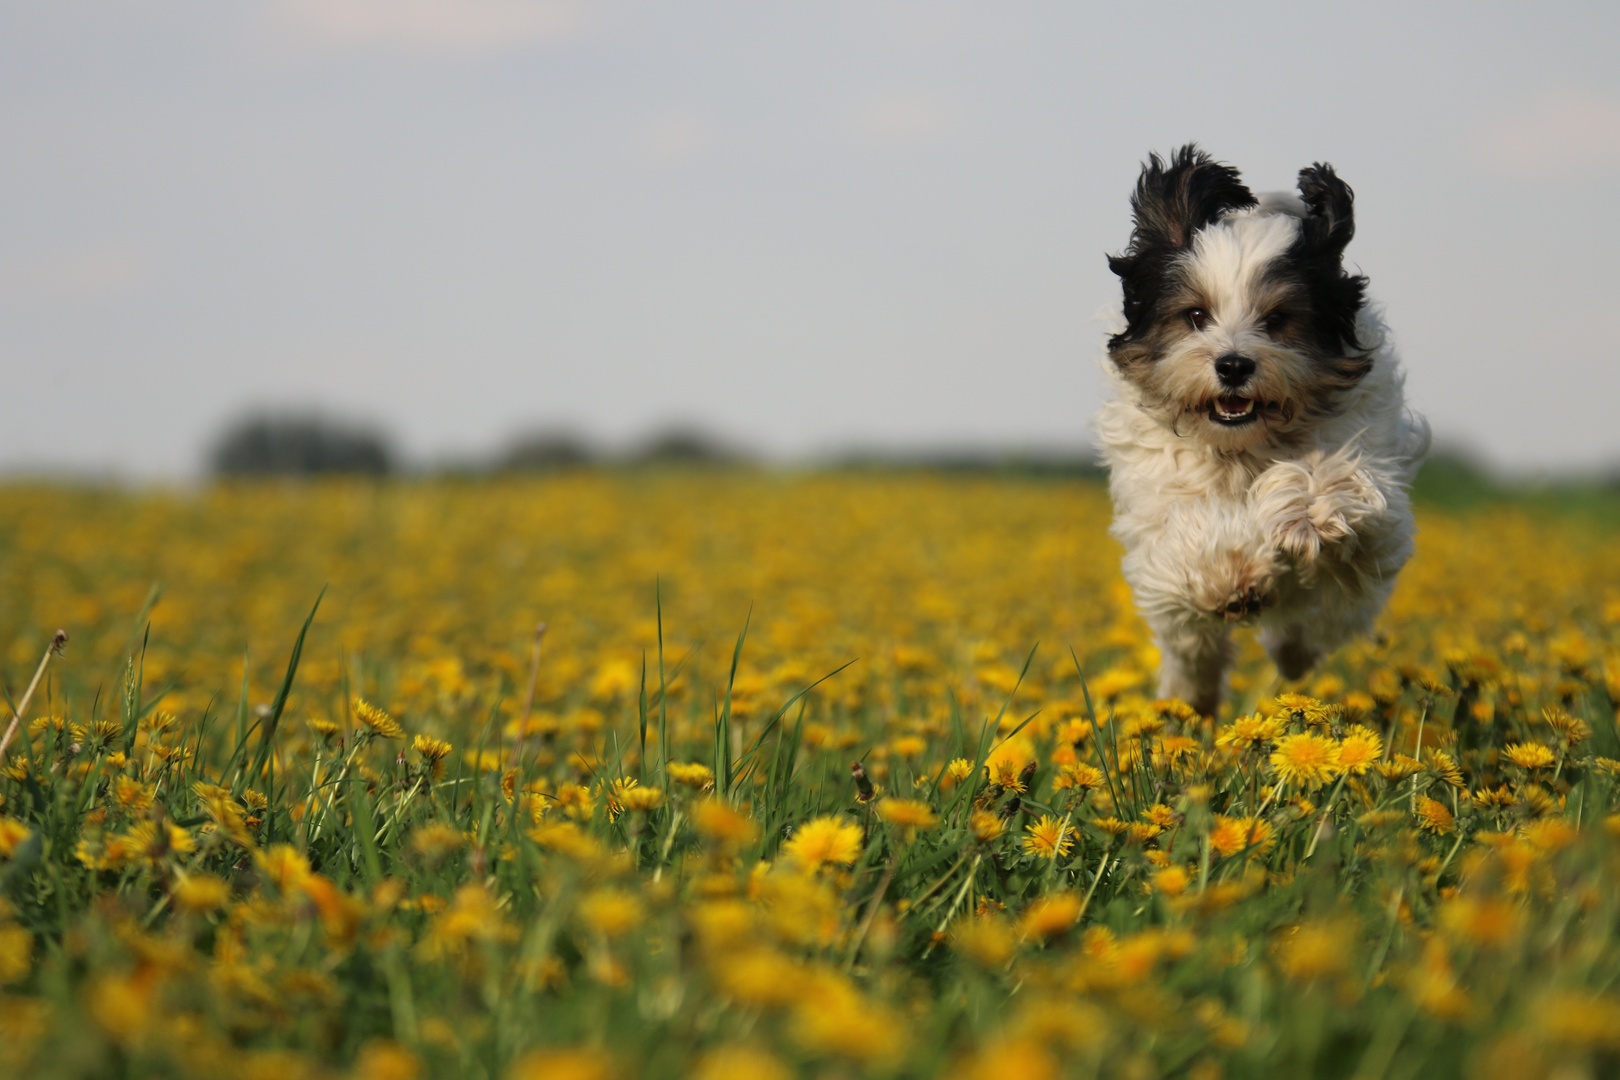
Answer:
(1234, 407)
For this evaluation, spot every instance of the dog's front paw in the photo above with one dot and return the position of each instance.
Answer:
(1308, 506)
(1234, 584)
(1304, 531)
(1283, 502)
(1243, 603)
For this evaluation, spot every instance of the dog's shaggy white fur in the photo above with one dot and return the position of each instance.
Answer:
(1259, 444)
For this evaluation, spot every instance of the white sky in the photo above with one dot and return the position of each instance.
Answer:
(802, 225)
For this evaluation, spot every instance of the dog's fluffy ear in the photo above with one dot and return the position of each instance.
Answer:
(1331, 222)
(1337, 297)
(1174, 200)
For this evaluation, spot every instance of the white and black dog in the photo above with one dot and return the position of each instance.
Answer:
(1258, 442)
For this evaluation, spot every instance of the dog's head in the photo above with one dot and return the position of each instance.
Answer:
(1240, 317)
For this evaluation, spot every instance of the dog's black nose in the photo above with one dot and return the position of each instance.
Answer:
(1233, 369)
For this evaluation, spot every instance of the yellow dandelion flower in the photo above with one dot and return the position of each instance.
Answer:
(1399, 767)
(16, 953)
(641, 799)
(575, 800)
(1310, 760)
(690, 775)
(1573, 729)
(987, 826)
(833, 1017)
(563, 1064)
(199, 893)
(1006, 774)
(1529, 755)
(1360, 749)
(1317, 950)
(762, 978)
(1482, 920)
(380, 1059)
(740, 1062)
(1080, 777)
(1143, 831)
(1050, 916)
(907, 813)
(1579, 1018)
(910, 746)
(1550, 834)
(1433, 985)
(721, 822)
(1298, 706)
(13, 834)
(610, 912)
(988, 941)
(959, 769)
(132, 795)
(1171, 881)
(284, 865)
(568, 839)
(377, 721)
(1498, 798)
(1160, 815)
(1231, 835)
(121, 1006)
(1175, 709)
(1048, 838)
(617, 795)
(1444, 766)
(1249, 732)
(432, 750)
(1433, 815)
(1174, 748)
(824, 840)
(437, 841)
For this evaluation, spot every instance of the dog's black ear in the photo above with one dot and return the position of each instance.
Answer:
(1172, 201)
(1337, 297)
(1331, 223)
(1175, 199)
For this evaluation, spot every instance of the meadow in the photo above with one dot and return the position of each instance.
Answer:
(824, 775)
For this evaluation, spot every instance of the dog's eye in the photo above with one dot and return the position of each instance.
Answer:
(1275, 321)
(1197, 318)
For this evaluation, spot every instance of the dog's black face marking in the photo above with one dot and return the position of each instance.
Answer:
(1171, 202)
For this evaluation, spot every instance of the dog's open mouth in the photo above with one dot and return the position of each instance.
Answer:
(1234, 411)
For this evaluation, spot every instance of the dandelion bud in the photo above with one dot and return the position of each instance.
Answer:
(864, 791)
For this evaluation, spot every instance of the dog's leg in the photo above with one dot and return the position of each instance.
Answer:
(1291, 649)
(1193, 660)
(1196, 567)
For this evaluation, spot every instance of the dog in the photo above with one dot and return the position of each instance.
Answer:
(1258, 441)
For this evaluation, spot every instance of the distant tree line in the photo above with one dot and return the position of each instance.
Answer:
(315, 444)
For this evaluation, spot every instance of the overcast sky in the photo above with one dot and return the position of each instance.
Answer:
(801, 225)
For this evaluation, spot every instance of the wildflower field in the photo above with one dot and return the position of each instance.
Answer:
(832, 775)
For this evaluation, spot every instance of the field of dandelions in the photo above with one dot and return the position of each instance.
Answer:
(842, 775)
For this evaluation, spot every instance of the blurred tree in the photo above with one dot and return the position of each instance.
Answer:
(301, 444)
(685, 446)
(539, 451)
